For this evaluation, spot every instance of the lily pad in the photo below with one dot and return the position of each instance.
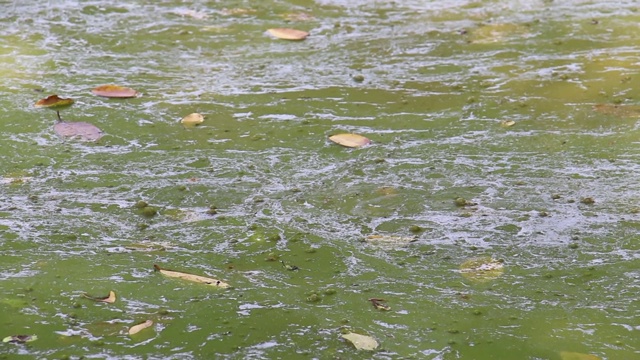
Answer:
(54, 102)
(81, 130)
(361, 342)
(350, 140)
(139, 327)
(288, 34)
(114, 91)
(191, 277)
(482, 269)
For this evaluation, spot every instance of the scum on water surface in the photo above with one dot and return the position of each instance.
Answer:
(258, 185)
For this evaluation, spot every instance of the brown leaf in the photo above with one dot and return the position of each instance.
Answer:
(109, 299)
(288, 34)
(137, 328)
(54, 102)
(378, 304)
(191, 277)
(114, 91)
(350, 140)
(82, 130)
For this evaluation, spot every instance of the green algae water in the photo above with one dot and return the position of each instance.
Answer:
(501, 130)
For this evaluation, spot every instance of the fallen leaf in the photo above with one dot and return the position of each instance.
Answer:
(137, 328)
(191, 277)
(482, 269)
(361, 342)
(566, 355)
(20, 339)
(191, 120)
(350, 140)
(507, 123)
(114, 91)
(378, 304)
(288, 34)
(54, 102)
(82, 130)
(109, 299)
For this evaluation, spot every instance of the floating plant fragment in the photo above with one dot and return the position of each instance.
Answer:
(482, 269)
(192, 120)
(54, 102)
(378, 304)
(191, 277)
(507, 123)
(20, 339)
(390, 240)
(114, 91)
(109, 299)
(288, 34)
(350, 140)
(82, 130)
(566, 355)
(137, 328)
(618, 110)
(361, 342)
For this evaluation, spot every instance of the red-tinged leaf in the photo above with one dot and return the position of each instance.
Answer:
(114, 91)
(54, 102)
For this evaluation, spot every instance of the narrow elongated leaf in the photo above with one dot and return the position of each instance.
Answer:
(288, 34)
(81, 130)
(191, 277)
(114, 91)
(350, 140)
(137, 328)
(361, 342)
(109, 299)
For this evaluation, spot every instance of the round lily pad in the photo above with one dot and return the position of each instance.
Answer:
(81, 130)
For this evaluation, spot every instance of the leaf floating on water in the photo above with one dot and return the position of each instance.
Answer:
(109, 299)
(618, 110)
(350, 140)
(566, 355)
(137, 328)
(361, 342)
(20, 339)
(82, 130)
(378, 304)
(482, 269)
(54, 102)
(114, 91)
(507, 123)
(191, 277)
(191, 120)
(288, 34)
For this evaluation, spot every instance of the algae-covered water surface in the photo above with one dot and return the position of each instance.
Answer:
(494, 215)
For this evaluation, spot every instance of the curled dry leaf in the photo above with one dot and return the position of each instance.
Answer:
(191, 277)
(81, 130)
(54, 102)
(361, 342)
(20, 339)
(137, 328)
(350, 140)
(114, 91)
(194, 119)
(482, 269)
(288, 34)
(378, 304)
(109, 299)
(507, 123)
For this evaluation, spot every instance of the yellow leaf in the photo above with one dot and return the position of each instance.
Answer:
(192, 119)
(288, 34)
(114, 91)
(350, 140)
(191, 277)
(361, 342)
(54, 102)
(137, 328)
(566, 355)
(110, 299)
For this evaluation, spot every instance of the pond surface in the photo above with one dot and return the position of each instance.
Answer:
(501, 130)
